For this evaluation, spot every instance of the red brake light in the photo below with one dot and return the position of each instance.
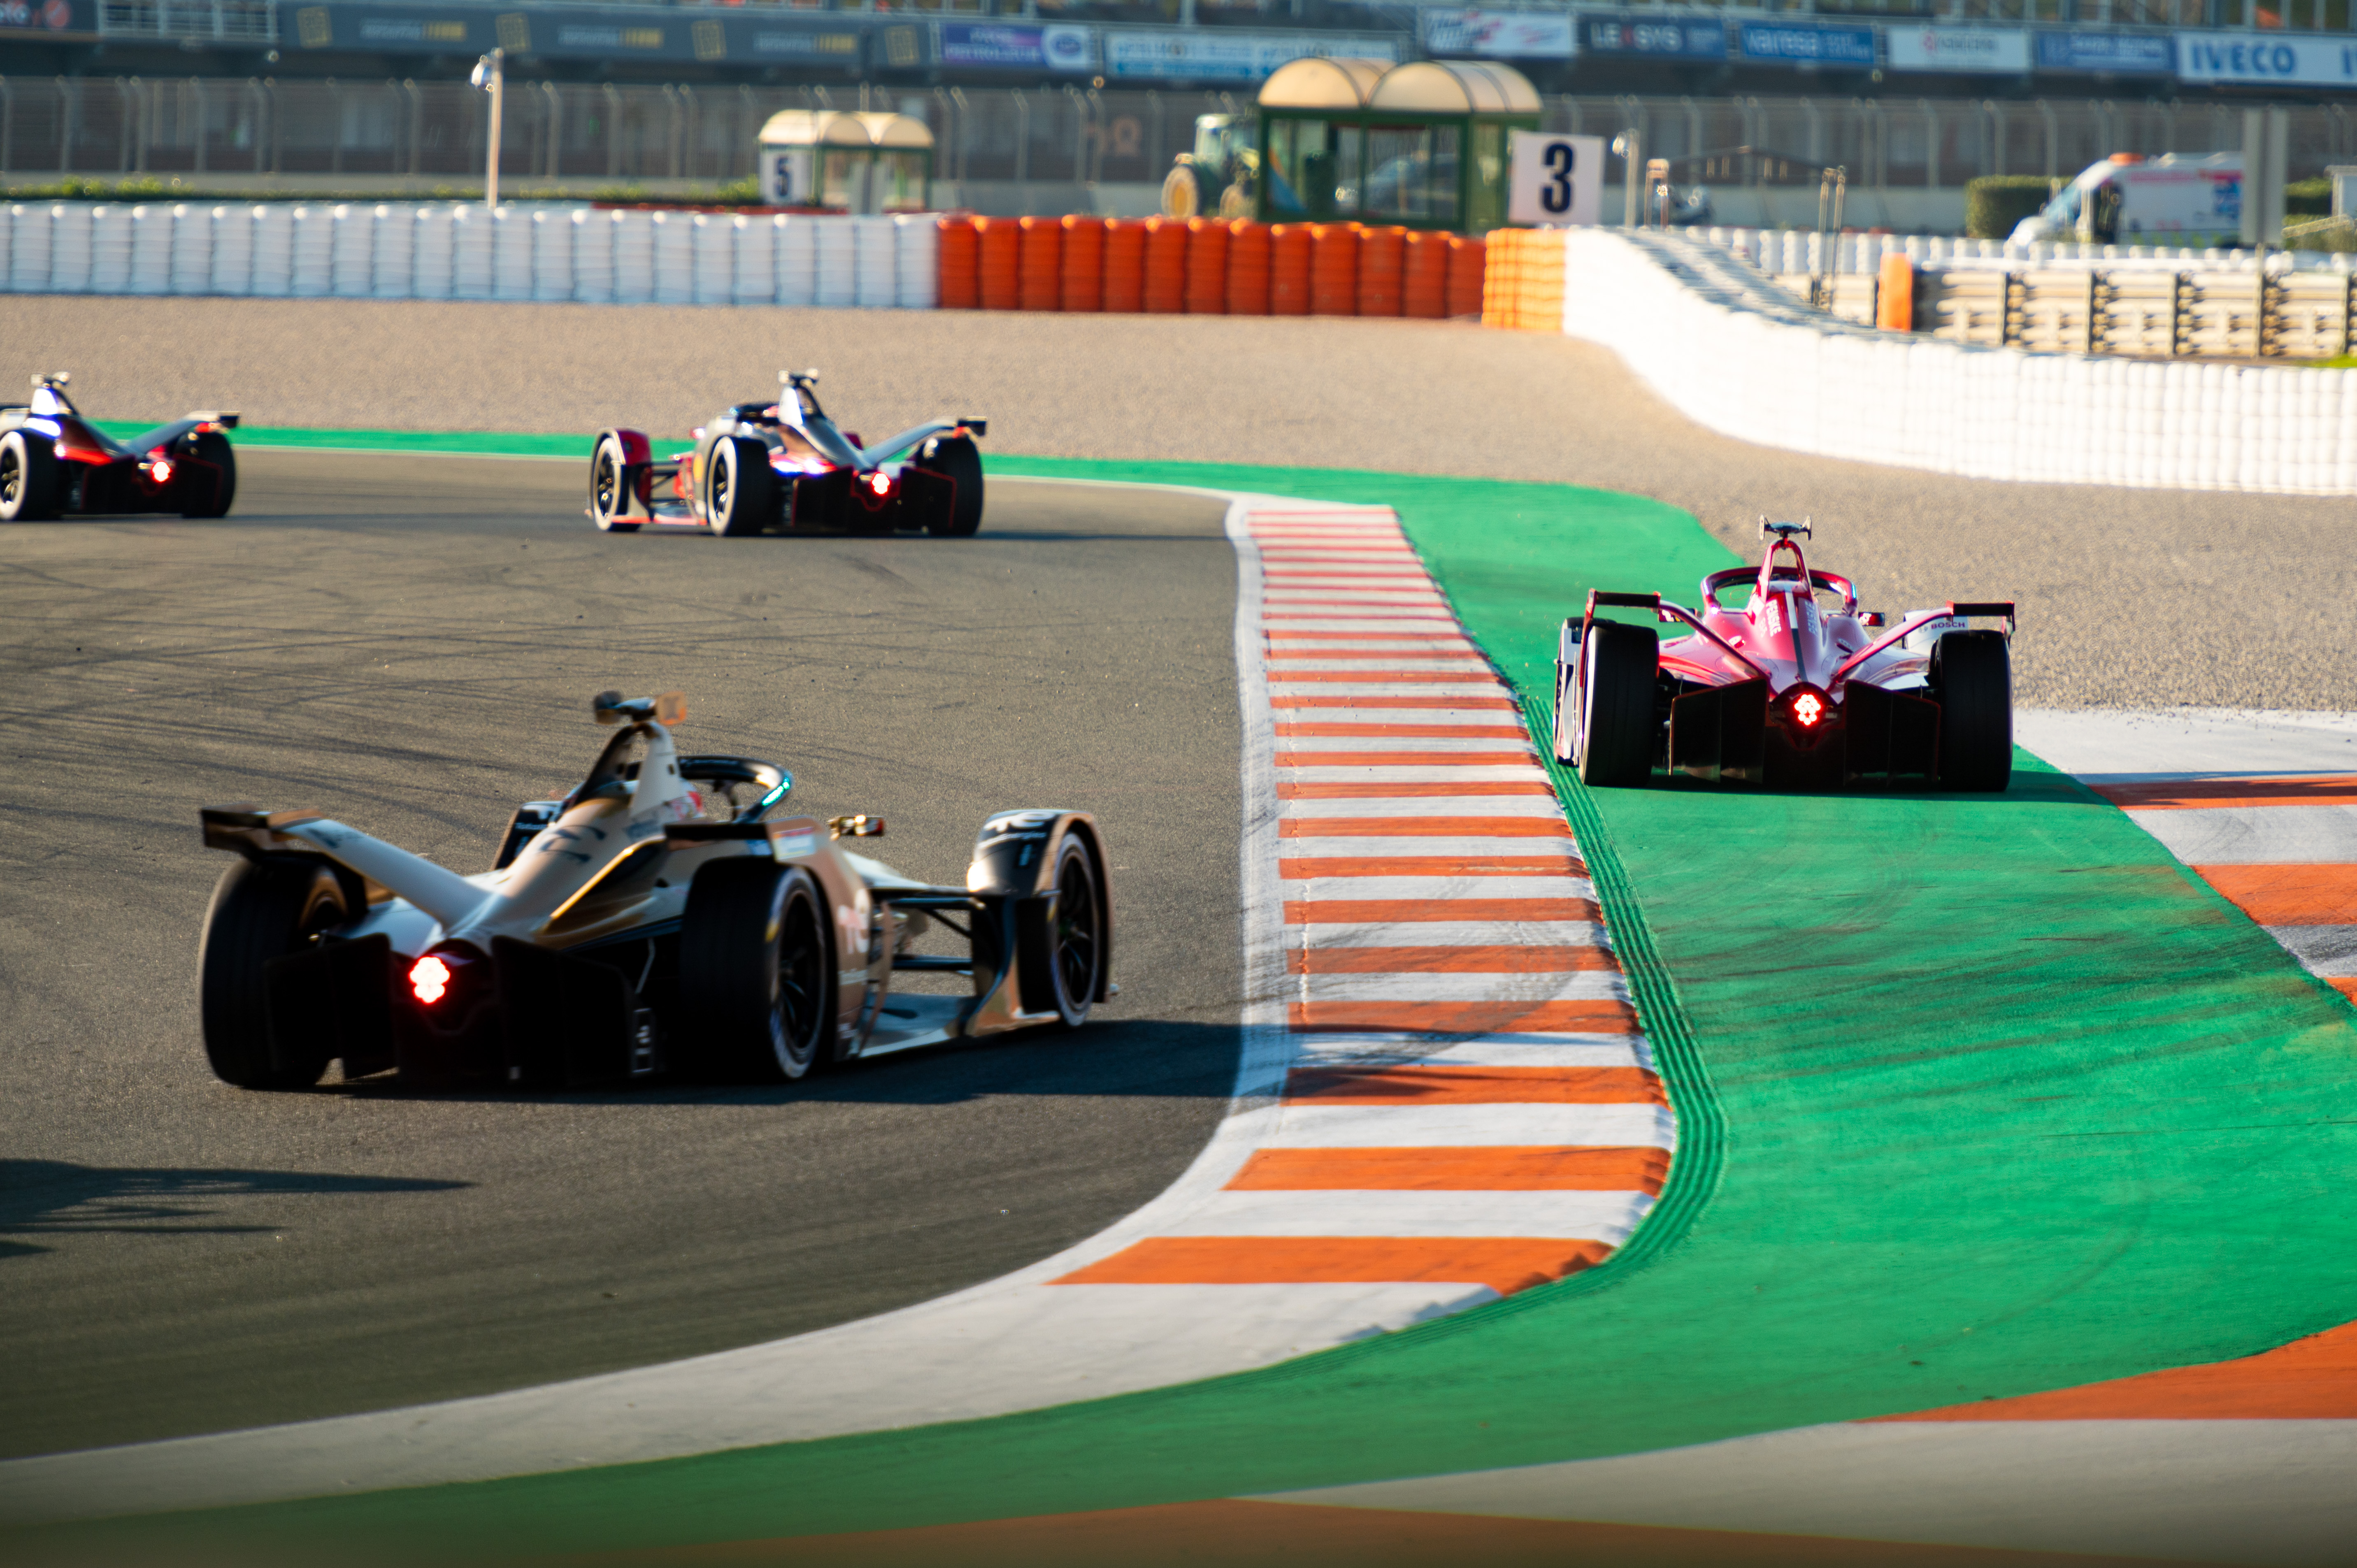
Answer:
(429, 978)
(1808, 708)
(880, 483)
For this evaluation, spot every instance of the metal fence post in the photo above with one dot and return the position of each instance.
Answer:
(1022, 135)
(7, 120)
(613, 95)
(196, 90)
(556, 128)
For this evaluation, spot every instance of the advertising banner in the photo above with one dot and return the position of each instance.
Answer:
(582, 32)
(1981, 51)
(1800, 43)
(2266, 60)
(982, 44)
(2106, 54)
(1652, 38)
(1554, 178)
(1221, 55)
(37, 16)
(1499, 34)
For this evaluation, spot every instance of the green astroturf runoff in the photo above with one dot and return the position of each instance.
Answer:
(1978, 1096)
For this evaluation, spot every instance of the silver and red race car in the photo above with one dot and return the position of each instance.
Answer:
(786, 465)
(1786, 692)
(657, 919)
(55, 463)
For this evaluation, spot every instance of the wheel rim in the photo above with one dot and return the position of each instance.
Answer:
(606, 483)
(796, 993)
(12, 476)
(720, 487)
(1076, 934)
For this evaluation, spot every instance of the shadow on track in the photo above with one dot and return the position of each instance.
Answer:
(58, 1197)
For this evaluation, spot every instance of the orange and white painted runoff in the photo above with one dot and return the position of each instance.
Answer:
(1443, 1098)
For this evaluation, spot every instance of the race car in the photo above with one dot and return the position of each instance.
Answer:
(55, 463)
(785, 465)
(1784, 692)
(658, 918)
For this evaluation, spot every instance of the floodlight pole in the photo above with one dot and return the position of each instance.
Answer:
(491, 75)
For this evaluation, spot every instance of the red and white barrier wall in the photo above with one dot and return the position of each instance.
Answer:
(1735, 352)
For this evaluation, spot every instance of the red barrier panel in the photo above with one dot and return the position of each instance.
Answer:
(1085, 239)
(1002, 263)
(1334, 269)
(960, 263)
(1382, 262)
(1207, 266)
(1165, 265)
(1040, 272)
(1124, 264)
(1468, 260)
(1247, 268)
(1291, 246)
(1424, 285)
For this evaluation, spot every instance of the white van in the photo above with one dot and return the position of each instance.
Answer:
(2127, 200)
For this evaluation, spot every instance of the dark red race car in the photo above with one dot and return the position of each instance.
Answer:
(55, 463)
(786, 465)
(1786, 692)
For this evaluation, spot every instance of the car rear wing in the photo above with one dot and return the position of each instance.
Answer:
(2002, 610)
(1664, 611)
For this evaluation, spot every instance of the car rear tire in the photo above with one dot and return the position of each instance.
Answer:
(211, 449)
(740, 490)
(956, 459)
(1614, 723)
(261, 909)
(1972, 678)
(610, 503)
(753, 970)
(1063, 936)
(29, 479)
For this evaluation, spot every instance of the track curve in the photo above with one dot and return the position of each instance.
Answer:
(410, 643)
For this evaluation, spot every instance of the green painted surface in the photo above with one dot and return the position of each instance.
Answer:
(2006, 1093)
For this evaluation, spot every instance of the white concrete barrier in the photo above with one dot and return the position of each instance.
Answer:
(1734, 352)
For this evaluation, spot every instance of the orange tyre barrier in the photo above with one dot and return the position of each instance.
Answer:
(1334, 269)
(1290, 247)
(1124, 264)
(1207, 267)
(1001, 268)
(1084, 241)
(1467, 264)
(1522, 280)
(1040, 266)
(1424, 285)
(959, 262)
(1165, 265)
(1247, 268)
(1382, 262)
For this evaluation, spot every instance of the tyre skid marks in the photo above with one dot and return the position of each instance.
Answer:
(1460, 1024)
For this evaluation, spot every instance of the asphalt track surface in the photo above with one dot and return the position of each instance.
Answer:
(2135, 598)
(410, 645)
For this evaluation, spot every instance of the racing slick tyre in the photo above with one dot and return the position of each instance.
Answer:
(1972, 678)
(609, 501)
(954, 458)
(215, 481)
(740, 491)
(1614, 725)
(753, 971)
(29, 479)
(1063, 938)
(261, 909)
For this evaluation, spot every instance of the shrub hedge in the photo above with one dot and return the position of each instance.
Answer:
(1994, 203)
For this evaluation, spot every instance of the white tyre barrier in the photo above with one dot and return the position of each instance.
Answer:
(634, 258)
(552, 253)
(151, 249)
(30, 231)
(918, 241)
(674, 257)
(876, 273)
(314, 262)
(434, 254)
(232, 258)
(351, 251)
(101, 242)
(392, 247)
(192, 250)
(471, 253)
(711, 244)
(593, 254)
(755, 280)
(512, 255)
(273, 248)
(838, 266)
(798, 261)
